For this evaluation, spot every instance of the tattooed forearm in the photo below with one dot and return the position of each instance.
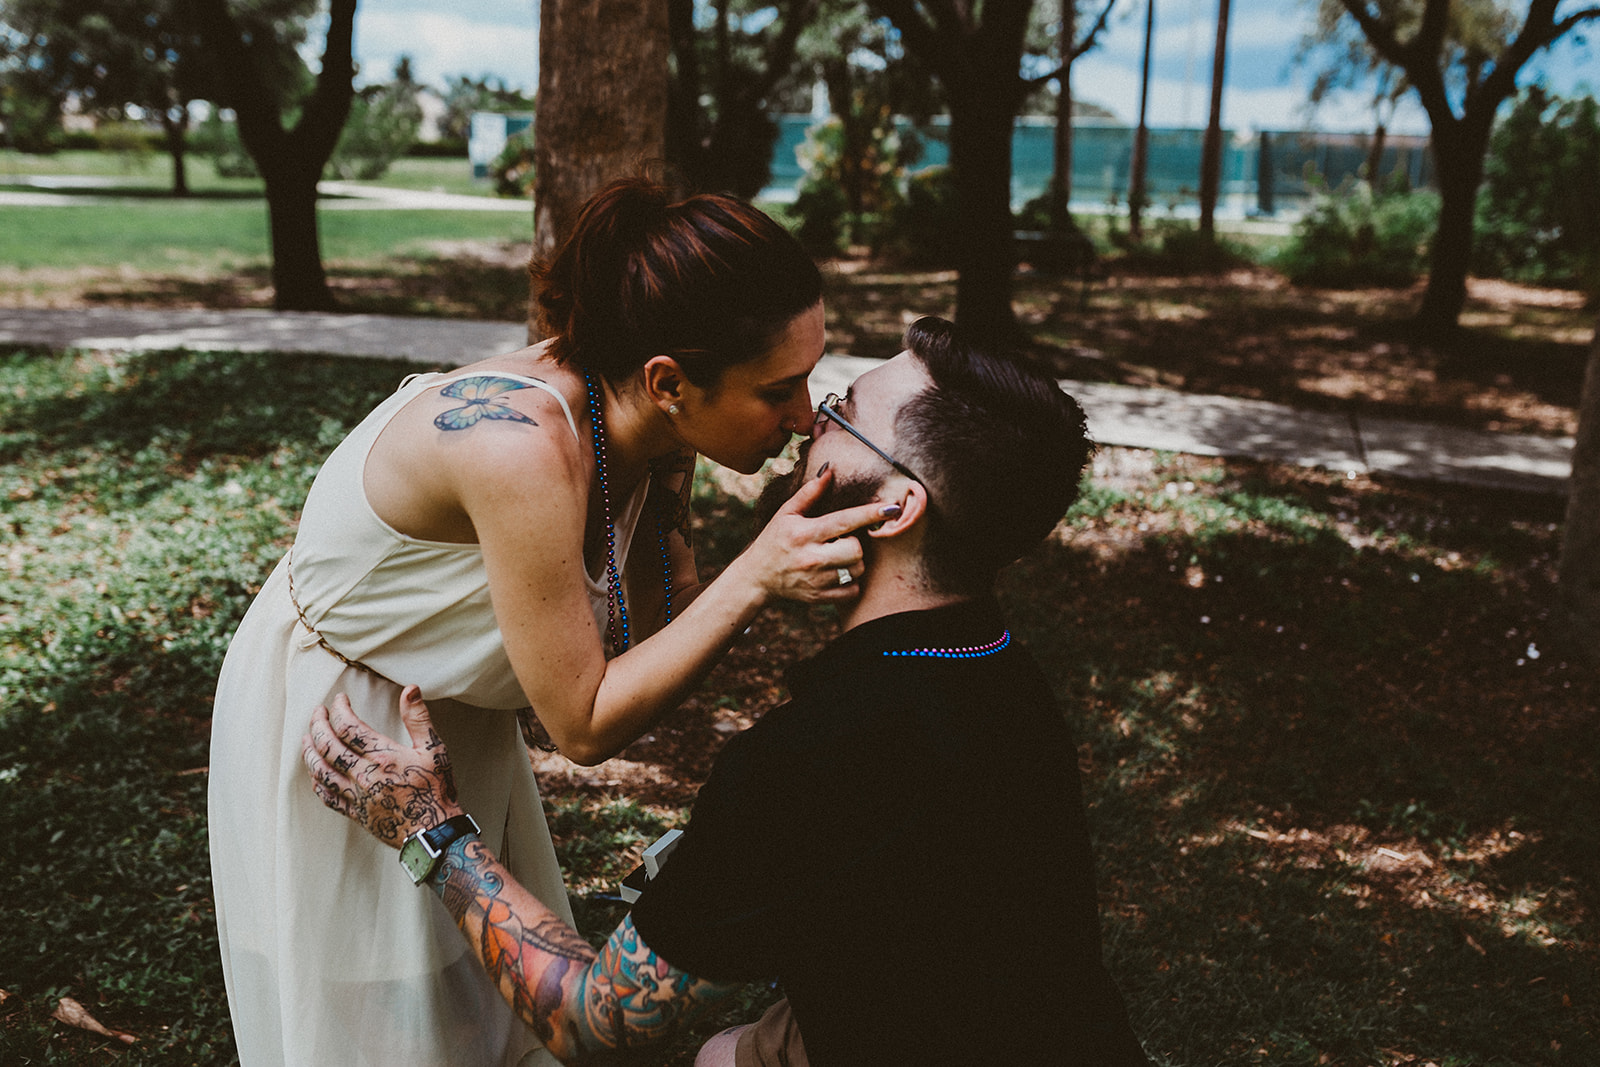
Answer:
(633, 997)
(529, 953)
(578, 1001)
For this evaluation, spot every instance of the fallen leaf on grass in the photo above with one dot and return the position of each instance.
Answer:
(72, 1013)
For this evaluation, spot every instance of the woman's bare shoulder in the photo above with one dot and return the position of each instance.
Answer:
(478, 434)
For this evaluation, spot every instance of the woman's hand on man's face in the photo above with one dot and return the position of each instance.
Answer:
(392, 790)
(798, 557)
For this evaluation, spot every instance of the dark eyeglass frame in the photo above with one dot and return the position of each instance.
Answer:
(829, 409)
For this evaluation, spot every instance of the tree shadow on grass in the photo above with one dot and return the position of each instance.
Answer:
(1517, 364)
(245, 404)
(440, 287)
(1334, 774)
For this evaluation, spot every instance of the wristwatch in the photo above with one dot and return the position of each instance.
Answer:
(421, 851)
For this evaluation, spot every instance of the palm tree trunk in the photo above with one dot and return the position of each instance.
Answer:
(1061, 160)
(1141, 136)
(1211, 150)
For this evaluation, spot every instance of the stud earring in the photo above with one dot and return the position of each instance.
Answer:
(672, 409)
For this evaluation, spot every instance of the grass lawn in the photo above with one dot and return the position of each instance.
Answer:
(1341, 771)
(151, 175)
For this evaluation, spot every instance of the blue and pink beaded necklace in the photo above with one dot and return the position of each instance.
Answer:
(616, 604)
(965, 652)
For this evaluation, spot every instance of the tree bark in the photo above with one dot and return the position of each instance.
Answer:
(986, 259)
(602, 107)
(1579, 572)
(1211, 149)
(1459, 148)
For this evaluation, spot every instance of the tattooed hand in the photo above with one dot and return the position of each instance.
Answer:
(393, 790)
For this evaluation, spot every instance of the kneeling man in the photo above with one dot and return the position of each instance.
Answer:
(903, 845)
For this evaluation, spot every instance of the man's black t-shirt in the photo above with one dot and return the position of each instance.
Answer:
(904, 847)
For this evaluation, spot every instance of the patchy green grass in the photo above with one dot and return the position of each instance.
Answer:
(150, 174)
(219, 236)
(1341, 772)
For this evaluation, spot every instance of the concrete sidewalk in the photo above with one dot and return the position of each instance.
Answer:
(1118, 415)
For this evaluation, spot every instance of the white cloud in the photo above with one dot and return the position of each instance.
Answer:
(443, 43)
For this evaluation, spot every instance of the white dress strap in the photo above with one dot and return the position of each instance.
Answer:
(537, 383)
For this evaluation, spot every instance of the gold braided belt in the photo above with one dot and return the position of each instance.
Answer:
(323, 641)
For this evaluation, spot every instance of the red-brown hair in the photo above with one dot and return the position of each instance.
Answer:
(708, 280)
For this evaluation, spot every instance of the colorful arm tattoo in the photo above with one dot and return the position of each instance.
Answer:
(481, 394)
(582, 1004)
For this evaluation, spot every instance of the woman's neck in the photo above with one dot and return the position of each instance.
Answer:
(636, 434)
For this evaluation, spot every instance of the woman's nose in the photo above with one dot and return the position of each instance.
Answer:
(805, 422)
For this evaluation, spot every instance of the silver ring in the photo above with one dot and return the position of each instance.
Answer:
(844, 576)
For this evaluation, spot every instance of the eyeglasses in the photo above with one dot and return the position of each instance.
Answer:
(829, 409)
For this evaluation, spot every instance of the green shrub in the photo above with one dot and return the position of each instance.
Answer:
(928, 221)
(31, 121)
(1537, 215)
(850, 193)
(383, 123)
(1356, 236)
(219, 138)
(512, 169)
(132, 143)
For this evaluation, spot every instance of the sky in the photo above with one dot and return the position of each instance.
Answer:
(1265, 88)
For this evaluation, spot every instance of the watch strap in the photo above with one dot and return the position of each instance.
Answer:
(421, 852)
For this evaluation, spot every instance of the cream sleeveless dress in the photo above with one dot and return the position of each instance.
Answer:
(331, 955)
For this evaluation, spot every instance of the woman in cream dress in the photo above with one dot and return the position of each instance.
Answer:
(508, 536)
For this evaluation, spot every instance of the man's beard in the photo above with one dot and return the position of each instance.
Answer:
(843, 492)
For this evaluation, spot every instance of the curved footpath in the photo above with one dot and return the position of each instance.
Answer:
(1118, 414)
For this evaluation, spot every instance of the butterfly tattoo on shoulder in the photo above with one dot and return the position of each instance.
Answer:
(482, 399)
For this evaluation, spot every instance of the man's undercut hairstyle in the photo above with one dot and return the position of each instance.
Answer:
(1003, 449)
(708, 280)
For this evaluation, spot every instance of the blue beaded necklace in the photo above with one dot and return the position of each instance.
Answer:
(967, 652)
(616, 604)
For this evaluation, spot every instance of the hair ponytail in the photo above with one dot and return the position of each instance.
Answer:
(706, 279)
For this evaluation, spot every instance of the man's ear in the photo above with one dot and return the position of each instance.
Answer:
(913, 500)
(664, 381)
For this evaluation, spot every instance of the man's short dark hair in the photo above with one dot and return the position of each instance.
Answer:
(1003, 449)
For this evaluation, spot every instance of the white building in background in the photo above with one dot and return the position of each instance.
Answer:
(488, 134)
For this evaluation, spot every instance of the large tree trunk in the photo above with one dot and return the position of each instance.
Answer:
(299, 282)
(602, 108)
(1458, 155)
(985, 253)
(1580, 541)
